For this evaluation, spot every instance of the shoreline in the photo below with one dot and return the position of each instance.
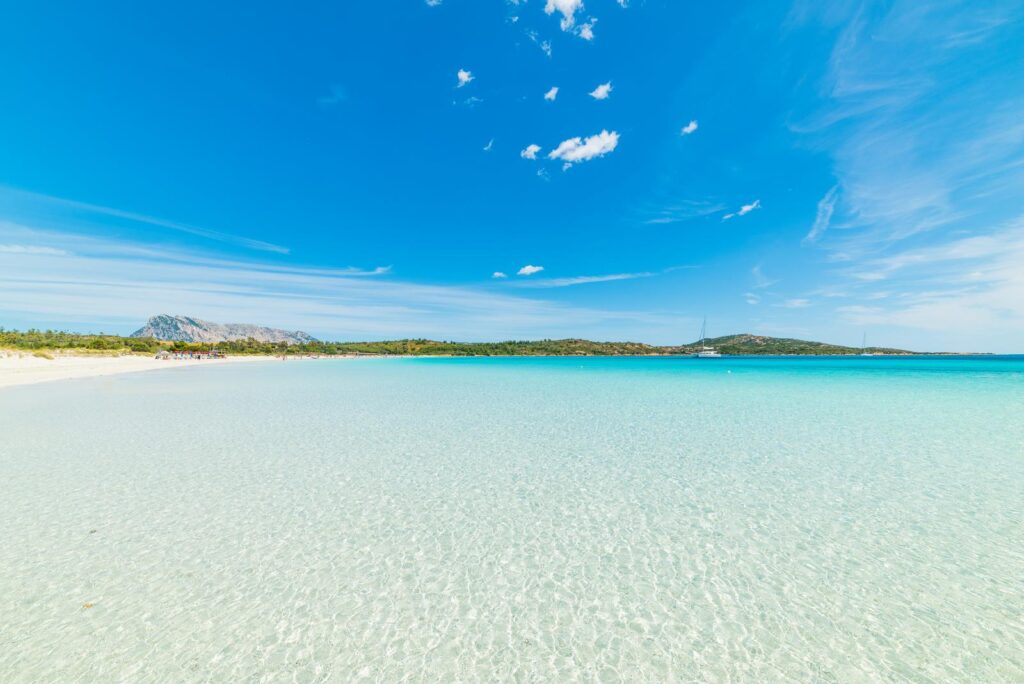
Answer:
(19, 368)
(26, 368)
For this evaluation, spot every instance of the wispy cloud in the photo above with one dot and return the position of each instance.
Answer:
(582, 280)
(464, 77)
(795, 303)
(21, 204)
(744, 210)
(32, 249)
(919, 141)
(761, 281)
(685, 210)
(46, 242)
(966, 249)
(489, 146)
(751, 298)
(589, 279)
(575, 150)
(602, 91)
(499, 274)
(689, 128)
(529, 270)
(826, 206)
(551, 94)
(967, 292)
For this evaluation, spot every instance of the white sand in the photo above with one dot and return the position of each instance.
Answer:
(22, 368)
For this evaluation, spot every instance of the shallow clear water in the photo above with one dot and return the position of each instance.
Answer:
(517, 519)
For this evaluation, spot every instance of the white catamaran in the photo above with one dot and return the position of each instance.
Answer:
(706, 352)
(864, 346)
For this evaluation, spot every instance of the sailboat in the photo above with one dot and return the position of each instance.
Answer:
(706, 352)
(864, 346)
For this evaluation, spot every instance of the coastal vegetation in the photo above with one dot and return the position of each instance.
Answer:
(45, 341)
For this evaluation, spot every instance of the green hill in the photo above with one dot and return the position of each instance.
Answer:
(759, 344)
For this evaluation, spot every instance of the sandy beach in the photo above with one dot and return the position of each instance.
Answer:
(23, 368)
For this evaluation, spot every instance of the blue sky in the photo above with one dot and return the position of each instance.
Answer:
(362, 172)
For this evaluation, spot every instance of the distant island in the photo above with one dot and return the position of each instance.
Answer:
(183, 333)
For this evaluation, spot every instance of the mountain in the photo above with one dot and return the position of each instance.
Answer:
(186, 329)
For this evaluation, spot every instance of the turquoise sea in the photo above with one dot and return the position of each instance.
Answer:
(572, 519)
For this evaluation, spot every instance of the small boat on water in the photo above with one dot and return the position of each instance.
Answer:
(706, 352)
(864, 346)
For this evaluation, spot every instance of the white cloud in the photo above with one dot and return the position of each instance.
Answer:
(489, 146)
(530, 152)
(744, 210)
(751, 298)
(551, 94)
(689, 128)
(529, 270)
(433, 3)
(826, 205)
(587, 30)
(795, 303)
(575, 150)
(499, 274)
(567, 8)
(747, 208)
(602, 91)
(464, 77)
